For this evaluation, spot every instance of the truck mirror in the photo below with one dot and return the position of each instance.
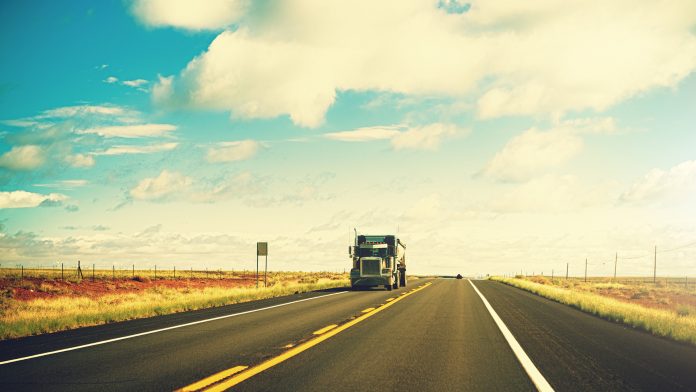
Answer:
(350, 251)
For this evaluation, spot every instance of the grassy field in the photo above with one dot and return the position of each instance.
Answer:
(36, 305)
(664, 309)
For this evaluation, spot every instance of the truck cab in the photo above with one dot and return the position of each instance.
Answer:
(378, 260)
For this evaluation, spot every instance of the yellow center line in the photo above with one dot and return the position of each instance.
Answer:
(325, 329)
(389, 299)
(252, 371)
(212, 379)
(368, 310)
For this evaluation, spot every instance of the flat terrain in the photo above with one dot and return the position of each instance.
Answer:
(440, 337)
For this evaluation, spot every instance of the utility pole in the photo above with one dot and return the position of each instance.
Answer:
(585, 269)
(655, 266)
(552, 274)
(567, 271)
(616, 259)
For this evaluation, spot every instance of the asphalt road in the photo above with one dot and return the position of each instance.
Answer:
(439, 338)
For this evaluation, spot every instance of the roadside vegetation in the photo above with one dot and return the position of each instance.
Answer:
(664, 309)
(36, 305)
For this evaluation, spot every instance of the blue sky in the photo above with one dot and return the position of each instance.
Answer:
(494, 136)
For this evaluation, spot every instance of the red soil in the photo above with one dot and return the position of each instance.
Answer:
(34, 288)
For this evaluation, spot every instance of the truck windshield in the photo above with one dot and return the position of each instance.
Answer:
(367, 252)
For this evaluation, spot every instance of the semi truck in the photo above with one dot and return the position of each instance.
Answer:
(378, 260)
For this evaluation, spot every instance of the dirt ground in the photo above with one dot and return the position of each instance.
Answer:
(662, 295)
(34, 288)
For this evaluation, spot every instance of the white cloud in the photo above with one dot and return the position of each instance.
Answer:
(111, 80)
(82, 110)
(152, 148)
(65, 184)
(233, 151)
(424, 138)
(679, 182)
(130, 131)
(189, 15)
(22, 158)
(551, 193)
(24, 199)
(135, 82)
(531, 152)
(366, 133)
(291, 57)
(427, 208)
(80, 160)
(167, 184)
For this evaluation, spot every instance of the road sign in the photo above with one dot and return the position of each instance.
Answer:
(262, 248)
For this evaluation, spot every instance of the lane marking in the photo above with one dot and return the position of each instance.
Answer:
(389, 299)
(212, 379)
(252, 371)
(162, 329)
(534, 374)
(325, 329)
(368, 310)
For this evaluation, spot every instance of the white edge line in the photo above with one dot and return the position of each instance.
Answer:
(534, 374)
(162, 329)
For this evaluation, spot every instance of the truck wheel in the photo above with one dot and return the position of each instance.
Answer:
(388, 287)
(402, 281)
(396, 281)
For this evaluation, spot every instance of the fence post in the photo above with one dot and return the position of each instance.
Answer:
(61, 272)
(21, 277)
(134, 270)
(113, 272)
(585, 269)
(92, 272)
(174, 272)
(567, 271)
(155, 271)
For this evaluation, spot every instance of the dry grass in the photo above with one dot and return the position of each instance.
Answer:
(678, 324)
(22, 318)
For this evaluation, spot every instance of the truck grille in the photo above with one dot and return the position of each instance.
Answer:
(370, 267)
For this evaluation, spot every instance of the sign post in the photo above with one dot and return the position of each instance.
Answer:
(261, 250)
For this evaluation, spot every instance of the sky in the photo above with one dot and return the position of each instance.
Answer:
(494, 137)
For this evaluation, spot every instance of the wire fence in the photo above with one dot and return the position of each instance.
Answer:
(78, 272)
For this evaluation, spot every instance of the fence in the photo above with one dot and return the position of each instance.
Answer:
(77, 272)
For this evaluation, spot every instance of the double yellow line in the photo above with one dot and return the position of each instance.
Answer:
(222, 380)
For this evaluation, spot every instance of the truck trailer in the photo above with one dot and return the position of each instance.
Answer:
(378, 260)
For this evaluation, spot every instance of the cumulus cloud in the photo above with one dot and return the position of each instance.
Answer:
(148, 149)
(23, 158)
(130, 131)
(24, 199)
(679, 182)
(233, 151)
(80, 160)
(162, 187)
(530, 152)
(111, 80)
(402, 137)
(135, 82)
(291, 57)
(187, 14)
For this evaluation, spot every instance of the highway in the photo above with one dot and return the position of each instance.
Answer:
(439, 337)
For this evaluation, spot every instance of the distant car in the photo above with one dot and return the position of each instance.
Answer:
(459, 276)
